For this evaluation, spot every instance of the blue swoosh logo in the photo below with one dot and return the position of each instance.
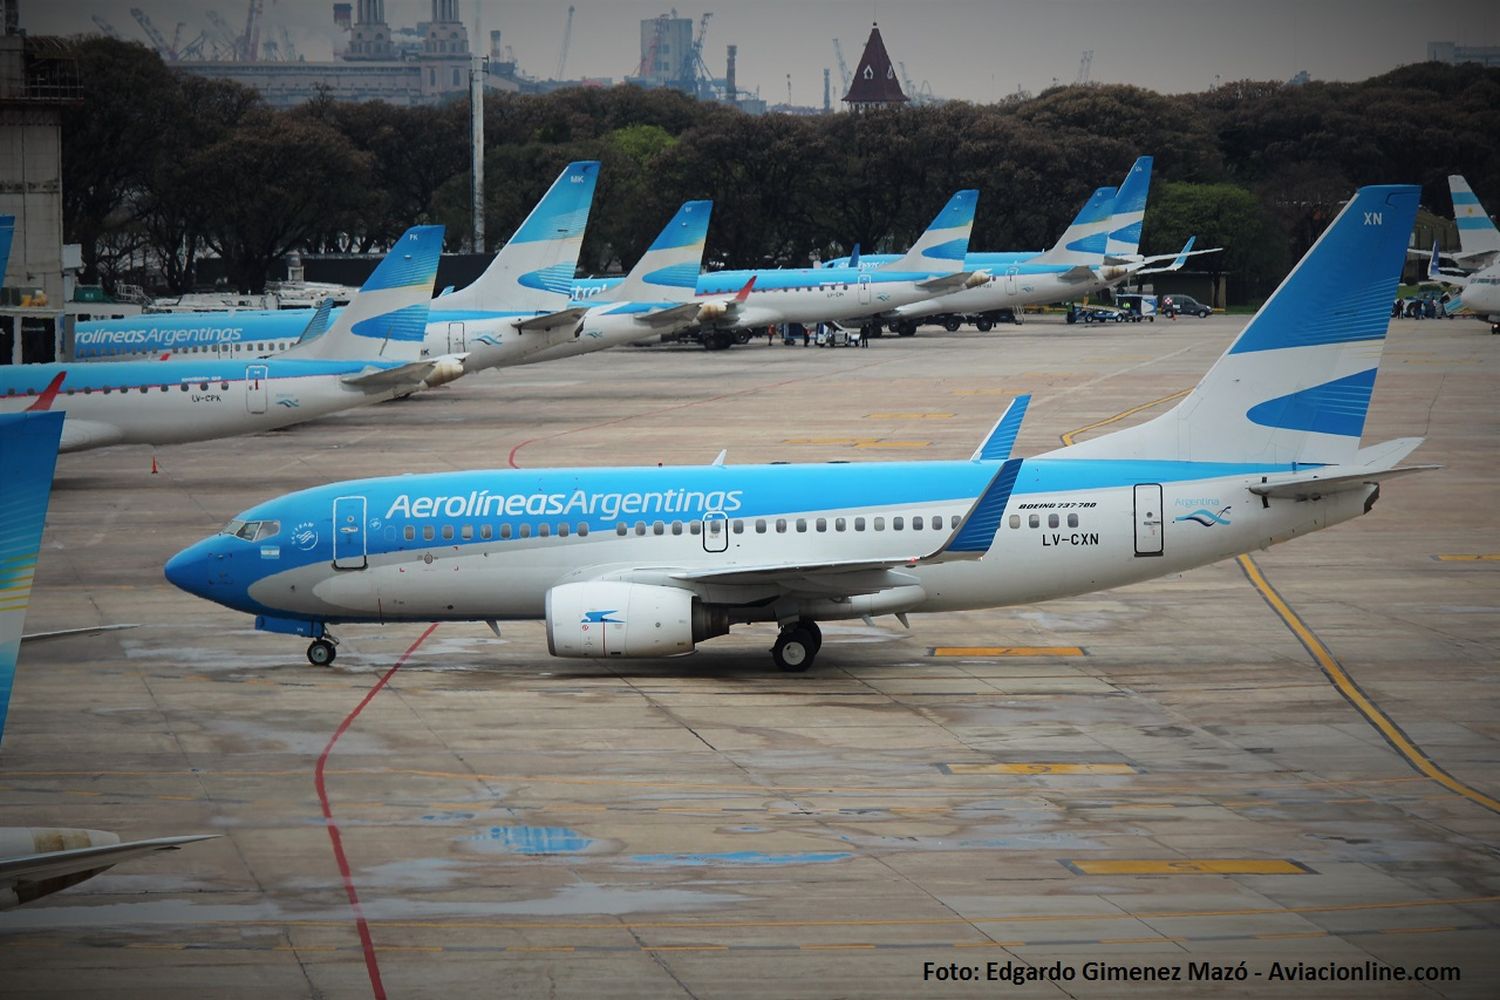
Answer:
(1207, 518)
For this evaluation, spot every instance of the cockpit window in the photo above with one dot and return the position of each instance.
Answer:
(252, 531)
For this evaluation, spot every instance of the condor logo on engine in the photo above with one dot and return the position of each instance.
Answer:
(601, 618)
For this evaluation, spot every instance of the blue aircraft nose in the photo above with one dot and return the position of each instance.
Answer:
(196, 568)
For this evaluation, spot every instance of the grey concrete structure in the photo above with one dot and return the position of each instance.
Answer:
(1160, 775)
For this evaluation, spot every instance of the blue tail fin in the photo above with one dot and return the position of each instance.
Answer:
(387, 320)
(534, 271)
(1129, 211)
(1295, 385)
(941, 248)
(668, 271)
(1082, 244)
(7, 235)
(28, 453)
(1476, 232)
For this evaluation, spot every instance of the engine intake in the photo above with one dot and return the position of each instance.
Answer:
(603, 619)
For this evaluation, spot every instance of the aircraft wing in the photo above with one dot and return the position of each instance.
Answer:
(375, 379)
(19, 873)
(550, 321)
(686, 312)
(68, 633)
(970, 540)
(957, 281)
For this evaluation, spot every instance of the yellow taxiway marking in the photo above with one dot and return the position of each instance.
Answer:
(1068, 437)
(1035, 768)
(908, 415)
(1469, 557)
(1007, 651)
(1194, 866)
(838, 947)
(684, 947)
(821, 440)
(1413, 754)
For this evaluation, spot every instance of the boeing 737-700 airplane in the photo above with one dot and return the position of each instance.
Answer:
(370, 353)
(1479, 292)
(624, 562)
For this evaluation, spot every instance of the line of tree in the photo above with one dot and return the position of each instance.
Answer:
(179, 166)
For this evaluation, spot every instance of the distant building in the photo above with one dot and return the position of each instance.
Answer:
(38, 78)
(666, 51)
(1451, 52)
(378, 63)
(874, 84)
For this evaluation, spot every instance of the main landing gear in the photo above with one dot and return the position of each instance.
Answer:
(797, 646)
(321, 652)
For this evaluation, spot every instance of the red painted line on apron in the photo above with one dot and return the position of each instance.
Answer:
(371, 965)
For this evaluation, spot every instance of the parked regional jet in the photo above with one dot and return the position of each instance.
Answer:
(369, 353)
(656, 297)
(36, 861)
(1480, 292)
(1478, 239)
(497, 315)
(623, 562)
(932, 266)
(1099, 250)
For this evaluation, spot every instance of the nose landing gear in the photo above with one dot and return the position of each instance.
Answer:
(797, 646)
(321, 652)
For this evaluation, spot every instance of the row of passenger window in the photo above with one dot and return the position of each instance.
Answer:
(106, 390)
(1035, 521)
(761, 526)
(230, 348)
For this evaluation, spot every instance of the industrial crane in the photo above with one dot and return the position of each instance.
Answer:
(838, 50)
(158, 42)
(106, 27)
(562, 56)
(1085, 67)
(251, 38)
(694, 69)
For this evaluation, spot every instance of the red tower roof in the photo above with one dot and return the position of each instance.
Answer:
(875, 78)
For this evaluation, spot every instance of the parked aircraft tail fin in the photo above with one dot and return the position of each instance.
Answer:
(668, 270)
(7, 235)
(1476, 231)
(1082, 243)
(28, 453)
(1295, 385)
(941, 248)
(1129, 210)
(387, 319)
(534, 271)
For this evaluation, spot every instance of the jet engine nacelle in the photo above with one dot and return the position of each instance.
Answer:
(444, 370)
(980, 277)
(709, 312)
(604, 618)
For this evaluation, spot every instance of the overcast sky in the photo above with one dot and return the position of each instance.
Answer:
(978, 50)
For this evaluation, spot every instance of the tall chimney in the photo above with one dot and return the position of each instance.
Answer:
(731, 92)
(827, 93)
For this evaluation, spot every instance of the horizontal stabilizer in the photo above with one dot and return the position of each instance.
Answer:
(40, 867)
(1332, 479)
(563, 318)
(373, 379)
(1002, 437)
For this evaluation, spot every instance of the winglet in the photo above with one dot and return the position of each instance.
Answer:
(722, 455)
(1432, 263)
(744, 293)
(976, 532)
(318, 325)
(1002, 437)
(854, 256)
(44, 401)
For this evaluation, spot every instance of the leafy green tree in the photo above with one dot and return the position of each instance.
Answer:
(1220, 215)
